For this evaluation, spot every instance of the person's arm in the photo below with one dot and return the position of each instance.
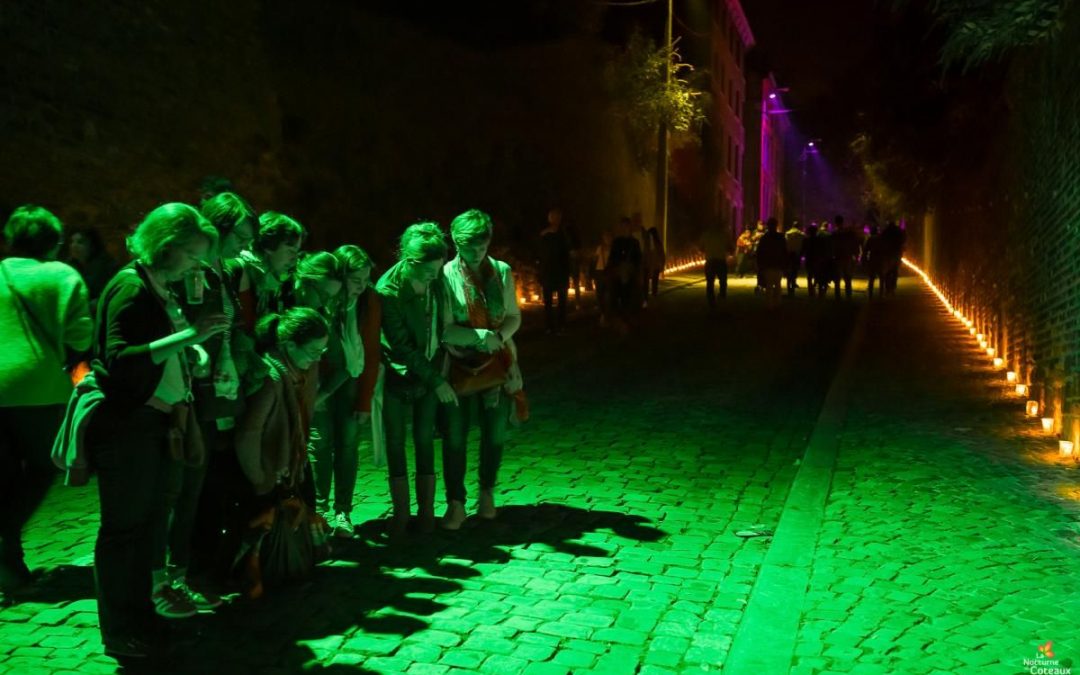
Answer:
(369, 335)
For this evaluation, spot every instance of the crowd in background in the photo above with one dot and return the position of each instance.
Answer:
(221, 384)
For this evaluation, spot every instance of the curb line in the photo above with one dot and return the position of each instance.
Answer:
(765, 641)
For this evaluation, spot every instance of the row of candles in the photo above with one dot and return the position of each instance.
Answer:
(678, 265)
(1032, 408)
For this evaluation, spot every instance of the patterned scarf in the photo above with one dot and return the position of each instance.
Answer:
(483, 295)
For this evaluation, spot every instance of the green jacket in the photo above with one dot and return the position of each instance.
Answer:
(406, 330)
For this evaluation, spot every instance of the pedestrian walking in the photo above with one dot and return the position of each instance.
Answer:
(845, 252)
(793, 239)
(716, 245)
(44, 326)
(654, 262)
(554, 268)
(771, 259)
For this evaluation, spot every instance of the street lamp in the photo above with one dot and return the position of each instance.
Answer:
(811, 148)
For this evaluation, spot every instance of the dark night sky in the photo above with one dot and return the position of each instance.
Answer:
(821, 51)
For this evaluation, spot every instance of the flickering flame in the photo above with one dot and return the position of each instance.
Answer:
(1021, 390)
(1010, 376)
(1032, 408)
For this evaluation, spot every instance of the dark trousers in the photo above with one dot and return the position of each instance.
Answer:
(492, 422)
(397, 409)
(333, 452)
(792, 272)
(845, 270)
(218, 501)
(716, 269)
(889, 277)
(130, 454)
(551, 321)
(652, 282)
(600, 283)
(26, 472)
(172, 535)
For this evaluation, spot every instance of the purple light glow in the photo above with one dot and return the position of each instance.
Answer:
(810, 144)
(772, 96)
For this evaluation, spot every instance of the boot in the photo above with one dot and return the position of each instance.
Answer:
(454, 517)
(485, 508)
(399, 496)
(425, 503)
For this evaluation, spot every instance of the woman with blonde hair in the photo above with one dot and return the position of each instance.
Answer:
(141, 364)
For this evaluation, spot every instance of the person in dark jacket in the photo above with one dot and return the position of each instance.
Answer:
(624, 273)
(414, 360)
(87, 254)
(141, 363)
(772, 259)
(845, 249)
(554, 268)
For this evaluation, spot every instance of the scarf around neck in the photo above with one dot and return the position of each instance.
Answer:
(483, 294)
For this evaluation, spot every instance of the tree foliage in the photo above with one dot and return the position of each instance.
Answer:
(645, 99)
(978, 31)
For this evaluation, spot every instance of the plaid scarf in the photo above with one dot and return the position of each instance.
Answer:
(483, 295)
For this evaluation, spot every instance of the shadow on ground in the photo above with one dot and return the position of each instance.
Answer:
(372, 596)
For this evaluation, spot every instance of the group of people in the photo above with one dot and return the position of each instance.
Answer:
(226, 380)
(624, 268)
(831, 253)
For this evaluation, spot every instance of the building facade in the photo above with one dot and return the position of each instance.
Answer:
(767, 126)
(731, 39)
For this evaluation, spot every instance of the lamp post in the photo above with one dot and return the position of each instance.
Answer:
(663, 140)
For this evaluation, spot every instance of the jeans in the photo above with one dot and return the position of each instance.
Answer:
(396, 411)
(716, 269)
(130, 453)
(549, 314)
(333, 452)
(492, 440)
(26, 473)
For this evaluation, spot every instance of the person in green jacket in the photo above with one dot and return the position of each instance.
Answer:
(44, 318)
(412, 354)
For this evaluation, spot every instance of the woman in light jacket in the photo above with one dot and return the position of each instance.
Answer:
(483, 316)
(44, 318)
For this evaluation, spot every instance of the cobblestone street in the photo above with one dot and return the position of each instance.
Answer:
(944, 532)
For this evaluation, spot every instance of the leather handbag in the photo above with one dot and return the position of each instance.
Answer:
(470, 375)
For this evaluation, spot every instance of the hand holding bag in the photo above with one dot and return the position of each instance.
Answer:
(469, 375)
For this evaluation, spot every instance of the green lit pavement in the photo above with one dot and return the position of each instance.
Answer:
(941, 542)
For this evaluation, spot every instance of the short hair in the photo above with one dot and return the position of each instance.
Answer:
(353, 258)
(772, 224)
(839, 220)
(296, 324)
(472, 225)
(33, 231)
(276, 229)
(165, 227)
(227, 210)
(423, 242)
(318, 266)
(212, 185)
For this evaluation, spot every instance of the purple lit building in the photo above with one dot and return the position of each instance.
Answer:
(767, 128)
(731, 39)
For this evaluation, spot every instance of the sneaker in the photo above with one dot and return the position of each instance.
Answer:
(170, 604)
(343, 527)
(203, 601)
